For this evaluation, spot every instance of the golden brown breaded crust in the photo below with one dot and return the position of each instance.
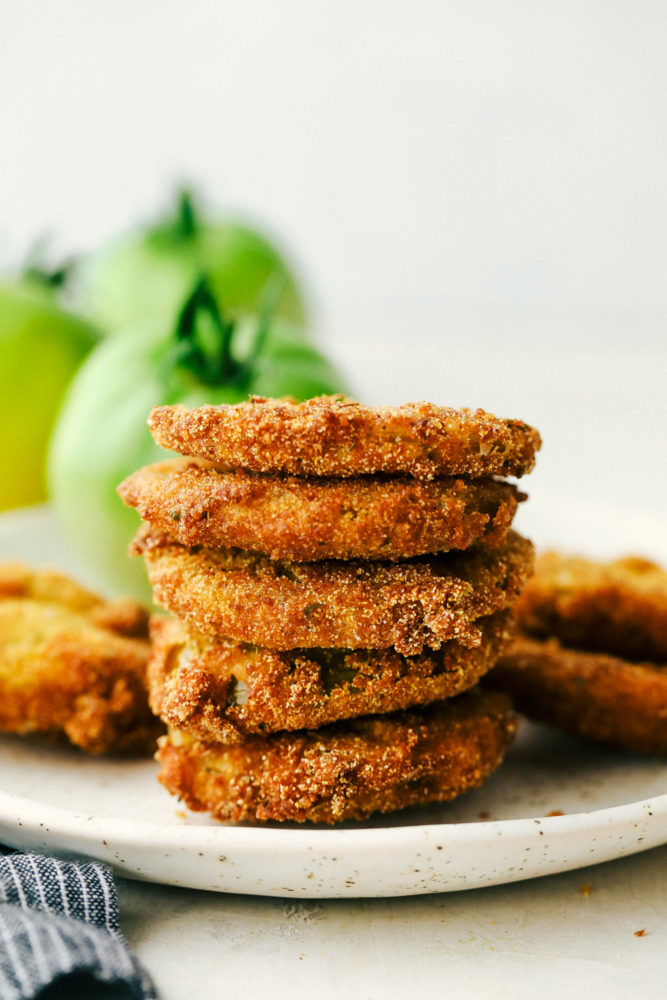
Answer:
(351, 605)
(599, 697)
(223, 692)
(123, 615)
(345, 771)
(72, 663)
(308, 519)
(618, 607)
(336, 436)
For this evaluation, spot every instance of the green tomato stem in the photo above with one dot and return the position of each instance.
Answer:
(187, 224)
(180, 226)
(34, 268)
(205, 338)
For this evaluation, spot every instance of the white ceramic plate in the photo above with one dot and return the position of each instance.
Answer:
(62, 802)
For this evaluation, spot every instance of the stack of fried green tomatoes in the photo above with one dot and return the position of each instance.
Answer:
(338, 578)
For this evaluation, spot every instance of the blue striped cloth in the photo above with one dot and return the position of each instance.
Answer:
(59, 925)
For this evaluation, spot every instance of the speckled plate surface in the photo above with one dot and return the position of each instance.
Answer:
(556, 804)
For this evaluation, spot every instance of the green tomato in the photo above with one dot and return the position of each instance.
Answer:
(41, 346)
(149, 273)
(102, 435)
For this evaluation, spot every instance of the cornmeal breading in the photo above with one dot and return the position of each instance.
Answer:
(597, 696)
(618, 607)
(335, 436)
(306, 519)
(352, 605)
(223, 691)
(124, 615)
(345, 771)
(73, 663)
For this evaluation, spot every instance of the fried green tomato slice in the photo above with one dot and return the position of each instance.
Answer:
(349, 770)
(336, 436)
(348, 605)
(306, 519)
(221, 691)
(73, 664)
(602, 698)
(618, 607)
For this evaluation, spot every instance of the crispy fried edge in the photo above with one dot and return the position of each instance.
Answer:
(224, 692)
(355, 605)
(335, 436)
(600, 697)
(618, 607)
(345, 771)
(123, 615)
(87, 682)
(287, 517)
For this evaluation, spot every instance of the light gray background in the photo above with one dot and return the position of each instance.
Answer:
(502, 159)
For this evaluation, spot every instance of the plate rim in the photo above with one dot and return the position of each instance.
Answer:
(654, 806)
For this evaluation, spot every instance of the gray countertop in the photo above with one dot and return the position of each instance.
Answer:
(564, 935)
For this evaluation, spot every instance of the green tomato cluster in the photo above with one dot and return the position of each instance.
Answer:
(193, 310)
